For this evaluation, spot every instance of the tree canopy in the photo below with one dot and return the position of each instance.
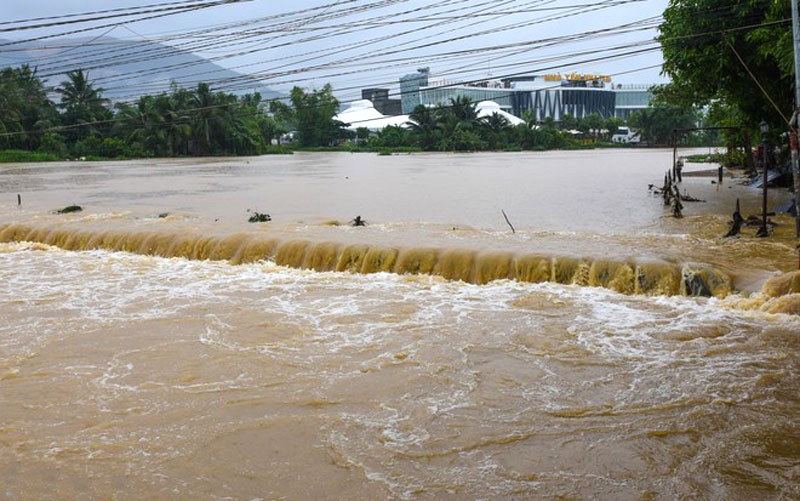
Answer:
(204, 121)
(717, 50)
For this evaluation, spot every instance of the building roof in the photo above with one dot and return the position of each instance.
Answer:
(488, 108)
(362, 113)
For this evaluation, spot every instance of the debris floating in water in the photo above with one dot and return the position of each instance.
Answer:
(69, 208)
(258, 217)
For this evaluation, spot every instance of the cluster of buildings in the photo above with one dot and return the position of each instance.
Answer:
(542, 96)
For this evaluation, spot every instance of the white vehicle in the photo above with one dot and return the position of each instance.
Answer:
(625, 135)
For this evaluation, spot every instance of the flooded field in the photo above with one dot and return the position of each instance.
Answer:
(158, 345)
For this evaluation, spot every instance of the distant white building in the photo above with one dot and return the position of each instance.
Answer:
(489, 108)
(362, 113)
(543, 95)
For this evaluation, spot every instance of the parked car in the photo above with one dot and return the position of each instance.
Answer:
(625, 135)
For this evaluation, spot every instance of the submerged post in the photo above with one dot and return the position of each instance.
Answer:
(736, 222)
(507, 221)
(763, 231)
(674, 149)
(19, 199)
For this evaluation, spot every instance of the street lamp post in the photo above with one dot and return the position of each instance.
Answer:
(763, 231)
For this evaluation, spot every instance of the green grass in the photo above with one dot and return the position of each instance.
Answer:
(9, 156)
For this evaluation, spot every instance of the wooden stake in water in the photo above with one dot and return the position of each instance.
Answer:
(507, 221)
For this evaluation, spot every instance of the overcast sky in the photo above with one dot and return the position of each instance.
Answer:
(364, 43)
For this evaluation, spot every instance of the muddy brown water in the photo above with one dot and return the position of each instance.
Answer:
(431, 354)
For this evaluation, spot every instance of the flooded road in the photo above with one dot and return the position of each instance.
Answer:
(145, 374)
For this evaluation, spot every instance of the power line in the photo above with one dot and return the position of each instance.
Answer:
(171, 12)
(111, 14)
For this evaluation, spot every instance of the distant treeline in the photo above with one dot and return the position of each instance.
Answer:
(202, 122)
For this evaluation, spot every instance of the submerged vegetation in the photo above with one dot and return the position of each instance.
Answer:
(258, 217)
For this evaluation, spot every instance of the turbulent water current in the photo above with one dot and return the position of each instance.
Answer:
(157, 345)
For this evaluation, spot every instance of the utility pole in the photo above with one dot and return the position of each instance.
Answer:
(795, 120)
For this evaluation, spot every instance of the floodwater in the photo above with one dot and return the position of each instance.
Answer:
(433, 353)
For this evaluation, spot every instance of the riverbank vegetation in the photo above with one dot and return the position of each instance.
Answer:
(75, 121)
(735, 59)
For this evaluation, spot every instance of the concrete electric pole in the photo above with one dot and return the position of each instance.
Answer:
(796, 118)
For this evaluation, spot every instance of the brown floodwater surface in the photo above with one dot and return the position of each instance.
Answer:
(459, 361)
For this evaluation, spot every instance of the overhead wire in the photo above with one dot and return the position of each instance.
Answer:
(401, 47)
(509, 65)
(205, 5)
(116, 13)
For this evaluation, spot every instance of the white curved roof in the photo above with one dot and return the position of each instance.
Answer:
(488, 108)
(362, 113)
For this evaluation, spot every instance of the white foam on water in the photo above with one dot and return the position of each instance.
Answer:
(504, 363)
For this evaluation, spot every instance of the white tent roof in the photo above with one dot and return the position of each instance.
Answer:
(488, 108)
(363, 114)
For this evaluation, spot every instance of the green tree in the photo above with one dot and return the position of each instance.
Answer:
(538, 138)
(568, 122)
(594, 124)
(313, 114)
(656, 124)
(713, 49)
(85, 109)
(362, 134)
(460, 114)
(25, 110)
(612, 125)
(424, 128)
(495, 130)
(158, 124)
(392, 136)
(261, 127)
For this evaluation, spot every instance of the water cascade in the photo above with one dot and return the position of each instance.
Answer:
(468, 265)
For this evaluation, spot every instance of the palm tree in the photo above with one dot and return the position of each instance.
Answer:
(460, 115)
(204, 113)
(424, 127)
(142, 125)
(464, 109)
(82, 104)
(25, 108)
(495, 129)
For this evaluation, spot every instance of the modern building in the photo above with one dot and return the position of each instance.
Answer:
(441, 93)
(410, 86)
(543, 96)
(630, 98)
(380, 100)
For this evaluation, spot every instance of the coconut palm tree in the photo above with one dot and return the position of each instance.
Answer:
(495, 130)
(424, 127)
(25, 109)
(83, 105)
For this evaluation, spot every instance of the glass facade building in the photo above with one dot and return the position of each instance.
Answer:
(410, 86)
(631, 98)
(543, 96)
